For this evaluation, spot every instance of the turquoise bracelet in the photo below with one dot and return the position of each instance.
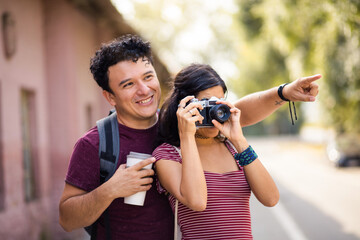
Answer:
(246, 157)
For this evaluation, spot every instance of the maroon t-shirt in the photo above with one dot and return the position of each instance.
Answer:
(154, 220)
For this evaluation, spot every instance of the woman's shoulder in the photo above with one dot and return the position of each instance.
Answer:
(164, 146)
(168, 152)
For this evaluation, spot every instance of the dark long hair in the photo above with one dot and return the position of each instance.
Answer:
(189, 81)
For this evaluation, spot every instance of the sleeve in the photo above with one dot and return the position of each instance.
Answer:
(84, 166)
(165, 152)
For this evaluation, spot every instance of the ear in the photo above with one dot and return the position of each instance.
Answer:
(109, 97)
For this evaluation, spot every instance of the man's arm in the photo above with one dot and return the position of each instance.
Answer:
(257, 106)
(79, 208)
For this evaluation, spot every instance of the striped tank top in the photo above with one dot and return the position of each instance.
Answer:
(227, 214)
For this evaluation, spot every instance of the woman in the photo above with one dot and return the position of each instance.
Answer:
(197, 165)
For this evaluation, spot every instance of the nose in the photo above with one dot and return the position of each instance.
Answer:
(143, 88)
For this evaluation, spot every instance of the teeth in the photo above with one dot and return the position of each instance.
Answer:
(145, 101)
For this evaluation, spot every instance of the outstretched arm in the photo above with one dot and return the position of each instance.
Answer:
(258, 106)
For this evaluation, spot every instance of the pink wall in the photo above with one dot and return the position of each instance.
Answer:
(54, 44)
(25, 70)
(70, 42)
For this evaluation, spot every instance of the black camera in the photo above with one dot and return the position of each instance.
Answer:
(211, 110)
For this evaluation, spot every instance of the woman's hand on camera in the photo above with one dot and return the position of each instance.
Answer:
(231, 128)
(188, 115)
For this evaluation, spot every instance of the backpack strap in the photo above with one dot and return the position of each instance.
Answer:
(109, 150)
(109, 146)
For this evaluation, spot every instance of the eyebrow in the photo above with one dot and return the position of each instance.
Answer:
(124, 81)
(128, 79)
(150, 71)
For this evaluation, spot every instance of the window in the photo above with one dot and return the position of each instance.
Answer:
(9, 34)
(29, 144)
(89, 116)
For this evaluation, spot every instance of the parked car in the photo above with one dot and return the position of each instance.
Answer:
(344, 150)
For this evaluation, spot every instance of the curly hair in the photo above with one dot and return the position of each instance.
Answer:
(125, 48)
(189, 81)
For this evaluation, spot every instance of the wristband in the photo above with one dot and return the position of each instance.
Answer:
(246, 157)
(280, 93)
(280, 90)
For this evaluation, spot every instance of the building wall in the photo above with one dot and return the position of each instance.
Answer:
(54, 43)
(23, 71)
(71, 39)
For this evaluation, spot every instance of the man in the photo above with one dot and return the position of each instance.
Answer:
(124, 70)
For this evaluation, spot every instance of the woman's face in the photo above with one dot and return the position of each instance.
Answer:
(218, 92)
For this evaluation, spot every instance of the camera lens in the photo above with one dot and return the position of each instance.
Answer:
(220, 113)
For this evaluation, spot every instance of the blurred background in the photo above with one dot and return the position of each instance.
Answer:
(48, 99)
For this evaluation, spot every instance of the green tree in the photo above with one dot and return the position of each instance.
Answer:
(300, 37)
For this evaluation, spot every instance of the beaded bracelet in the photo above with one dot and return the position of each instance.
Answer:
(246, 157)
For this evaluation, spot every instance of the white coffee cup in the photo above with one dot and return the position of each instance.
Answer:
(132, 159)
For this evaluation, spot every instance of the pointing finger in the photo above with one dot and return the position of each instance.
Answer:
(310, 79)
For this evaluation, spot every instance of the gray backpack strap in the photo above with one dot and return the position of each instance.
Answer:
(109, 150)
(109, 146)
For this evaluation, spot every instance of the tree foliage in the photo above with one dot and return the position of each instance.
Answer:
(286, 39)
(258, 44)
(186, 31)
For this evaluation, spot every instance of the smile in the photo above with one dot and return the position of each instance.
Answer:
(145, 100)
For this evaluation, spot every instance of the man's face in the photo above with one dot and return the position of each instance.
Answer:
(136, 92)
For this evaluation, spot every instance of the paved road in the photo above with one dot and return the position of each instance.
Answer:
(317, 200)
